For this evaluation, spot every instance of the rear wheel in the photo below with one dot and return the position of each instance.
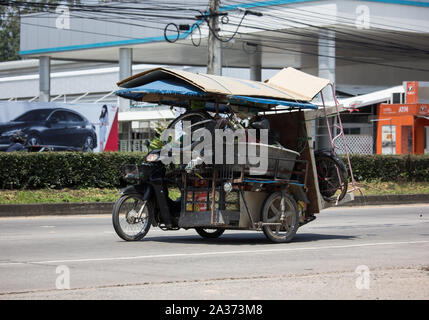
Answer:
(283, 217)
(210, 233)
(132, 217)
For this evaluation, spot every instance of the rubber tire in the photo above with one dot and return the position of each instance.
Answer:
(36, 136)
(344, 176)
(210, 235)
(264, 212)
(115, 218)
(204, 116)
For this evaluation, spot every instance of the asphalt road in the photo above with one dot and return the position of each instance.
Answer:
(388, 245)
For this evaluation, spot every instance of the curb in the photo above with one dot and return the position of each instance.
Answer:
(55, 209)
(94, 208)
(387, 200)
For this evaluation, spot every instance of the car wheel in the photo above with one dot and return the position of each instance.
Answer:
(33, 139)
(88, 143)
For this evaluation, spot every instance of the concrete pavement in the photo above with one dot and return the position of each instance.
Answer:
(391, 242)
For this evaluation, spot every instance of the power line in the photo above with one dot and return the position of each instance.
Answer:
(353, 44)
(385, 47)
(326, 18)
(343, 43)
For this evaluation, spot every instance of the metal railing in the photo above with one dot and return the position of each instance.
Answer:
(132, 146)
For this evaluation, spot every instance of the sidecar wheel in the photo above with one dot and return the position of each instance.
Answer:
(271, 213)
(132, 217)
(210, 233)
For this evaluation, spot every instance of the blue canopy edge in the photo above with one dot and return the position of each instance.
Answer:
(180, 88)
(162, 87)
(255, 101)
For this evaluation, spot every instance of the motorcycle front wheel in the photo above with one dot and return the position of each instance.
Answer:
(132, 217)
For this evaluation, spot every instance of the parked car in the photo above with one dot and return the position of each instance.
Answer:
(57, 127)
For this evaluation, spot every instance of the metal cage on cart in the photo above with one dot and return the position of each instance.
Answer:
(215, 196)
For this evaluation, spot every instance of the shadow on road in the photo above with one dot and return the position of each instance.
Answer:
(251, 238)
(310, 237)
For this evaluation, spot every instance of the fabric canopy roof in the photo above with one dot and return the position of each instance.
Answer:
(289, 87)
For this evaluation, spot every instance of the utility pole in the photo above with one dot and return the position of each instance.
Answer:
(214, 64)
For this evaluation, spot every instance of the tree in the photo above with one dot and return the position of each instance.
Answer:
(157, 142)
(10, 13)
(9, 33)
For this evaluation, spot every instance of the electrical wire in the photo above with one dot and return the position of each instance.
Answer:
(340, 38)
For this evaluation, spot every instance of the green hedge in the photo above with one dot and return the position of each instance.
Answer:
(103, 170)
(64, 169)
(390, 167)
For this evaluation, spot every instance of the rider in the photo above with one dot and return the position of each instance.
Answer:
(17, 142)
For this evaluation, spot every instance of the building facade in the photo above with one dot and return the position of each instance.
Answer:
(363, 47)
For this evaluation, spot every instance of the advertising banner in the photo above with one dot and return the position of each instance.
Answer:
(388, 139)
(60, 126)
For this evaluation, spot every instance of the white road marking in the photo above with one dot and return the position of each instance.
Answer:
(176, 255)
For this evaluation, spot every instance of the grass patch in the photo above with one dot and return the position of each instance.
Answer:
(58, 196)
(111, 195)
(386, 188)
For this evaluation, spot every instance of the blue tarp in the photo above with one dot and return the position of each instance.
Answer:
(251, 101)
(176, 87)
(163, 87)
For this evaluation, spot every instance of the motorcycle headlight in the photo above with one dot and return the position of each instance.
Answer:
(152, 157)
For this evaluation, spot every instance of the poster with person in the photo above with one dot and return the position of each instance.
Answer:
(59, 126)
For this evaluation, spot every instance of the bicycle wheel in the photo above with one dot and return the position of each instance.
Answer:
(332, 178)
(197, 120)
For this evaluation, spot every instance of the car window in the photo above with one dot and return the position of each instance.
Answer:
(73, 117)
(34, 115)
(59, 116)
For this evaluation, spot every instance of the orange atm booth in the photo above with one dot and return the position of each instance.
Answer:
(404, 128)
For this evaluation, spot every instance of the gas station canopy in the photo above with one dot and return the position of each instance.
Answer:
(287, 34)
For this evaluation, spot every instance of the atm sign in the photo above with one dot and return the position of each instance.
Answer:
(401, 109)
(395, 109)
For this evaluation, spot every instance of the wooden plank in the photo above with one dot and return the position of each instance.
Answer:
(291, 126)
